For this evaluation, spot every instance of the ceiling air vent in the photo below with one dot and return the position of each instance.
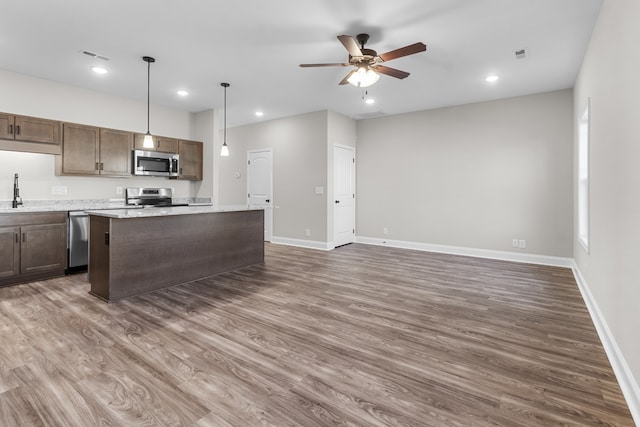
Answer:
(369, 115)
(521, 53)
(95, 55)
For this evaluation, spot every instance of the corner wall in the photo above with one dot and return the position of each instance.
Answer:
(610, 271)
(299, 165)
(471, 176)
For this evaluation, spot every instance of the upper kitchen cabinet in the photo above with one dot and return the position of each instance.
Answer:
(89, 150)
(30, 134)
(161, 143)
(115, 152)
(190, 160)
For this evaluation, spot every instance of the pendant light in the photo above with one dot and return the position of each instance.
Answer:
(148, 139)
(224, 151)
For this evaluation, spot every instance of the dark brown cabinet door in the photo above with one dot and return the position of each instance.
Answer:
(161, 143)
(33, 129)
(80, 150)
(190, 160)
(6, 126)
(166, 145)
(9, 251)
(115, 152)
(42, 248)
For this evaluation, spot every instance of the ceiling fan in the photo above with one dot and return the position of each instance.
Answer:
(367, 62)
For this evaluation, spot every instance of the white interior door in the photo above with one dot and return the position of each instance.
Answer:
(260, 185)
(344, 195)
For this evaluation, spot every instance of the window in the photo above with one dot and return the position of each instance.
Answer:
(583, 178)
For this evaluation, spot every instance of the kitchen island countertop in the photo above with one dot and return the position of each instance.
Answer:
(167, 211)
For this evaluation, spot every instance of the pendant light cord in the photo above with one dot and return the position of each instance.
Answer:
(148, 60)
(148, 90)
(225, 86)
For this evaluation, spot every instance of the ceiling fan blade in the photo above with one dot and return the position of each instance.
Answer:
(346, 78)
(351, 45)
(403, 51)
(334, 64)
(398, 74)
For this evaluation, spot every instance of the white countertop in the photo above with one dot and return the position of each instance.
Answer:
(178, 210)
(78, 205)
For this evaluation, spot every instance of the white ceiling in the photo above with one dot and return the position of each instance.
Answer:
(257, 45)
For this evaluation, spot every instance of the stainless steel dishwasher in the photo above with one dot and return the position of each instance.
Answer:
(78, 241)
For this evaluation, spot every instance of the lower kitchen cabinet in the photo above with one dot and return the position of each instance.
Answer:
(33, 246)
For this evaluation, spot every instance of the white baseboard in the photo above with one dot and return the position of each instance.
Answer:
(628, 384)
(478, 253)
(311, 244)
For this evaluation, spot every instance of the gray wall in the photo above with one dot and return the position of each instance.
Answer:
(474, 176)
(609, 77)
(299, 145)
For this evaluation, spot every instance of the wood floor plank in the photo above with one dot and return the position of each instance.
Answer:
(357, 336)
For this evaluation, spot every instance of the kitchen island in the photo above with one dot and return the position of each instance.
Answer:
(132, 252)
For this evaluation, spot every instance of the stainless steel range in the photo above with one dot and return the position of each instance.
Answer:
(159, 197)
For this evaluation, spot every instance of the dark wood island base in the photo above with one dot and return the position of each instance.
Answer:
(132, 255)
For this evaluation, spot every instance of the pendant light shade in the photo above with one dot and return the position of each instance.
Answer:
(224, 151)
(148, 139)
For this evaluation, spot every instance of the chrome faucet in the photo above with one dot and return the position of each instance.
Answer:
(17, 200)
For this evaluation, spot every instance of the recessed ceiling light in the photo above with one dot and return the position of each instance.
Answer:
(99, 70)
(492, 78)
(259, 113)
(369, 101)
(182, 93)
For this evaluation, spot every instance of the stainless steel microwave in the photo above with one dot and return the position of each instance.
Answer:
(155, 163)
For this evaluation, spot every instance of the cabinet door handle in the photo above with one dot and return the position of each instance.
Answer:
(101, 166)
(24, 237)
(10, 129)
(97, 166)
(17, 238)
(17, 129)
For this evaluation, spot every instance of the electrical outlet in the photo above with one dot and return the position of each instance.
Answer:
(522, 244)
(385, 231)
(58, 189)
(118, 190)
(307, 232)
(514, 243)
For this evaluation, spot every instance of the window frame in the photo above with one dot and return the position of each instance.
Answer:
(583, 174)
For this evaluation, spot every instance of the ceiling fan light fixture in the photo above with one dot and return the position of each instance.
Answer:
(363, 77)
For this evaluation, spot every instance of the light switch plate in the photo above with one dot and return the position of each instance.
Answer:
(319, 190)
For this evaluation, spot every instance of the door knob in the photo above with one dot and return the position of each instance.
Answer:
(267, 200)
(337, 201)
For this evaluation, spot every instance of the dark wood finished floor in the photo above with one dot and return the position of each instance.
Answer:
(359, 336)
